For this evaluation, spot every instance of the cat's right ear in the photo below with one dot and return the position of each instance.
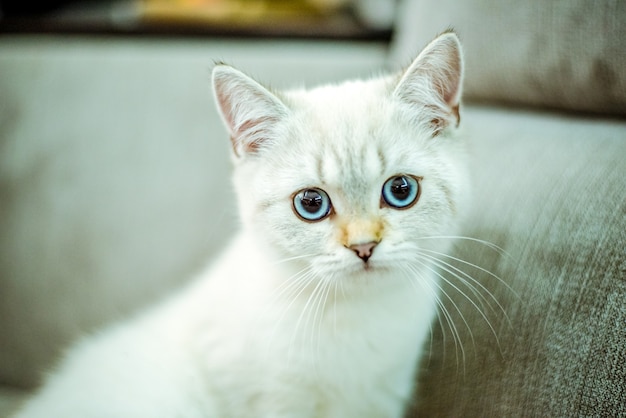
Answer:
(249, 111)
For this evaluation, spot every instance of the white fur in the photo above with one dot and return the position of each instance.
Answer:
(289, 322)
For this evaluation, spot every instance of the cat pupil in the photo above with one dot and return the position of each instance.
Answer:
(311, 201)
(400, 188)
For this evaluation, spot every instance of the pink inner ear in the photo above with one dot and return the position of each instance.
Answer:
(452, 83)
(247, 113)
(443, 65)
(227, 112)
(250, 136)
(224, 103)
(225, 94)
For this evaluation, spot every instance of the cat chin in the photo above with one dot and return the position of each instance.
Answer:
(357, 271)
(371, 268)
(360, 270)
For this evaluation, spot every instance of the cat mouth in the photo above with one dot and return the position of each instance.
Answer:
(367, 267)
(353, 267)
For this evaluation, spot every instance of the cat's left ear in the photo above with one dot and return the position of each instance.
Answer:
(433, 82)
(249, 110)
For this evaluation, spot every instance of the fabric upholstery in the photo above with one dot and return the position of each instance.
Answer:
(566, 54)
(550, 191)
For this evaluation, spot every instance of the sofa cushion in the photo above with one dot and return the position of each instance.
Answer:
(561, 54)
(549, 190)
(10, 399)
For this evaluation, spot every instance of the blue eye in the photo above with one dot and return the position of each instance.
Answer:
(312, 204)
(401, 192)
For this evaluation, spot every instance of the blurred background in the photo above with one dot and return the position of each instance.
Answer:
(371, 19)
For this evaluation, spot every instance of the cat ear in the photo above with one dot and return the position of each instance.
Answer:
(248, 109)
(433, 82)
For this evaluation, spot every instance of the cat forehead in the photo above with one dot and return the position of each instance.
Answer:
(352, 114)
(349, 98)
(352, 164)
(347, 130)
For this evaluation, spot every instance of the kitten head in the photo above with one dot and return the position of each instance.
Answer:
(354, 178)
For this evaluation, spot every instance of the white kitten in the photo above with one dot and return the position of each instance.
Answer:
(322, 303)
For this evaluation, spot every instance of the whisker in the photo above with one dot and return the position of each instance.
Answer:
(296, 257)
(448, 268)
(336, 286)
(424, 286)
(469, 281)
(322, 310)
(444, 311)
(311, 297)
(294, 289)
(462, 276)
(432, 269)
(476, 266)
(488, 244)
(469, 299)
(291, 282)
(454, 304)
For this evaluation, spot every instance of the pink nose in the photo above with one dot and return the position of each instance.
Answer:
(363, 251)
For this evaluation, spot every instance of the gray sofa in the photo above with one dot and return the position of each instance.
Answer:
(114, 189)
(550, 190)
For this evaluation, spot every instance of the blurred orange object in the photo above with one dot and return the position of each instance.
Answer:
(236, 12)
